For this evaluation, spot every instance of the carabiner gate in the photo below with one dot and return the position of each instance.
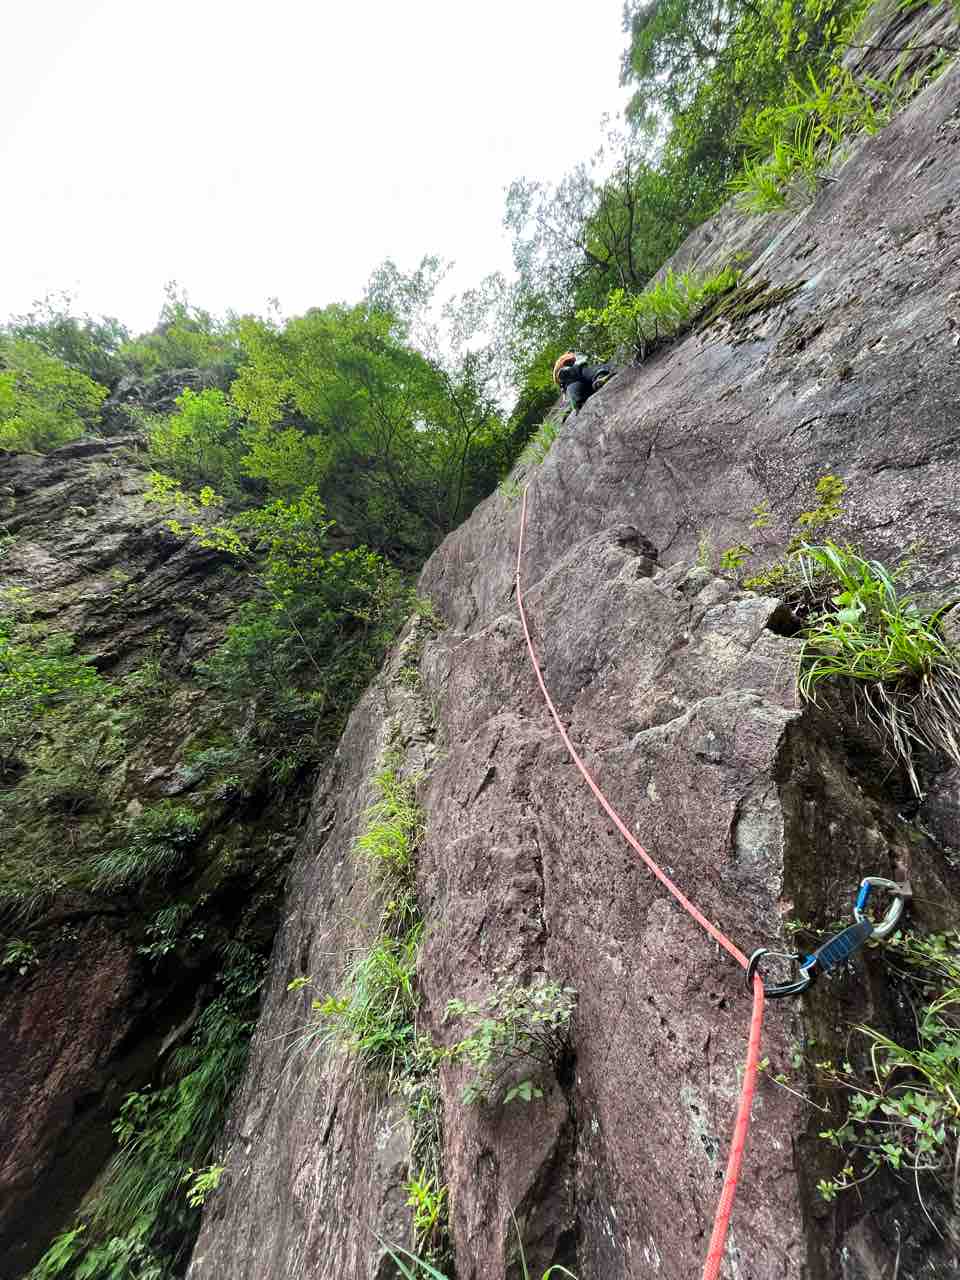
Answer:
(775, 991)
(899, 892)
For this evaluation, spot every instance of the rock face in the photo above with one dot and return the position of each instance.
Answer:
(677, 689)
(62, 1049)
(90, 1017)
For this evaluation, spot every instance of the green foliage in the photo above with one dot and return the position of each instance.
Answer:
(532, 454)
(374, 1021)
(147, 1208)
(888, 648)
(795, 138)
(629, 322)
(428, 1200)
(401, 445)
(767, 186)
(151, 849)
(785, 577)
(148, 687)
(514, 1028)
(43, 401)
(732, 559)
(200, 442)
(712, 70)
(37, 682)
(392, 833)
(860, 629)
(187, 337)
(302, 653)
(905, 1117)
(19, 954)
(830, 491)
(62, 739)
(90, 345)
(165, 931)
(608, 224)
(202, 1182)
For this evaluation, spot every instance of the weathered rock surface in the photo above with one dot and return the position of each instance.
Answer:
(678, 690)
(155, 393)
(62, 1049)
(101, 561)
(90, 1020)
(342, 1174)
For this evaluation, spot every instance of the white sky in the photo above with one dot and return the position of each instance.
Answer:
(249, 149)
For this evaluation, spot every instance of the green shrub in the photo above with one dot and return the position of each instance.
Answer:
(38, 682)
(305, 651)
(631, 321)
(515, 1028)
(62, 746)
(795, 138)
(375, 1017)
(200, 443)
(82, 342)
(392, 833)
(19, 954)
(532, 454)
(905, 1117)
(785, 576)
(187, 337)
(43, 402)
(374, 1020)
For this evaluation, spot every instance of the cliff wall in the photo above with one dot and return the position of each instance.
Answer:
(108, 987)
(678, 688)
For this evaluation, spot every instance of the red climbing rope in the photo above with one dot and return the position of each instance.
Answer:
(721, 1222)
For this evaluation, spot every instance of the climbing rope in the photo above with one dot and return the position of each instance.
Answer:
(721, 1222)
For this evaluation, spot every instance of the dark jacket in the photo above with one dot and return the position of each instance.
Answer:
(577, 381)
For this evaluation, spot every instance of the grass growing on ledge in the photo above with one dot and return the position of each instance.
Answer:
(374, 1019)
(887, 647)
(630, 322)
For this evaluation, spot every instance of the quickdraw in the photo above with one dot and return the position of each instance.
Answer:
(838, 949)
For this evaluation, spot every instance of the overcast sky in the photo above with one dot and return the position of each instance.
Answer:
(252, 150)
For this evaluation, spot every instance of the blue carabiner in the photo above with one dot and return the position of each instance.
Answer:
(838, 949)
(828, 955)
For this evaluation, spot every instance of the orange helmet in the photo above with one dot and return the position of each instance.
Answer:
(568, 357)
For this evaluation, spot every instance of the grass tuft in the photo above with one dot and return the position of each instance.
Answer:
(155, 845)
(903, 672)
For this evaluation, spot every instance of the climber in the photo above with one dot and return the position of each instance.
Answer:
(579, 379)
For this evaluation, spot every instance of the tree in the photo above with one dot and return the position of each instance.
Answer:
(187, 337)
(674, 46)
(82, 342)
(43, 402)
(400, 445)
(200, 443)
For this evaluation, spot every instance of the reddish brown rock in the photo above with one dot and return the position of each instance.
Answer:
(59, 1028)
(678, 690)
